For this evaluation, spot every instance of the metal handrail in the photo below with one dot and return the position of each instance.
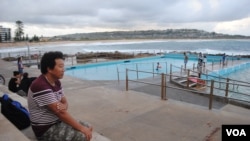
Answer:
(164, 86)
(136, 65)
(2, 80)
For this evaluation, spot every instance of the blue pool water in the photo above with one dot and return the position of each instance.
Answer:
(109, 70)
(231, 72)
(238, 87)
(242, 75)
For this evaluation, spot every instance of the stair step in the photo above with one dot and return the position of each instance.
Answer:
(192, 85)
(182, 81)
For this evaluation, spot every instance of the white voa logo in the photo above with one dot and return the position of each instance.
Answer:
(236, 132)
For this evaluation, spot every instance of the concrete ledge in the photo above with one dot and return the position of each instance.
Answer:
(8, 131)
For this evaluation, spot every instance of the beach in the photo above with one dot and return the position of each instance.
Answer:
(24, 44)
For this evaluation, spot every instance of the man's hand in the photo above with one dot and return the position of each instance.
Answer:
(87, 131)
(61, 106)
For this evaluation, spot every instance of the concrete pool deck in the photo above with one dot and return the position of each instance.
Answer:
(121, 115)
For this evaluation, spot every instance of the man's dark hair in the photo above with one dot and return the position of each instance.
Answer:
(15, 73)
(48, 60)
(25, 75)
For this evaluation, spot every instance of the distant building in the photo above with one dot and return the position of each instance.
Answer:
(5, 34)
(44, 39)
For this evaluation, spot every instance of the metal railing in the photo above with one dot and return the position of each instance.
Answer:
(121, 68)
(2, 80)
(209, 88)
(230, 85)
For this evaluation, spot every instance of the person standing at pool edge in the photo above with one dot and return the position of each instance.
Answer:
(199, 65)
(223, 59)
(185, 60)
(20, 66)
(204, 61)
(48, 105)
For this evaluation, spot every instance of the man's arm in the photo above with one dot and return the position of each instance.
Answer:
(63, 104)
(64, 116)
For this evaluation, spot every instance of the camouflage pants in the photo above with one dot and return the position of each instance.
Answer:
(63, 132)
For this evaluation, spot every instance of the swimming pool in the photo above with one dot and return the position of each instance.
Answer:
(114, 70)
(234, 72)
(238, 86)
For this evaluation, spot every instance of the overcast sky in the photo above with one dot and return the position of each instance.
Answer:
(59, 17)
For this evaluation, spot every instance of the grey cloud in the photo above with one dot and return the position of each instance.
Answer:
(120, 10)
(121, 13)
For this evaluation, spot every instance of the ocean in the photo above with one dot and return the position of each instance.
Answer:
(230, 47)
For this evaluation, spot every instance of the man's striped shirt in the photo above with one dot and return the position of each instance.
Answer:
(41, 94)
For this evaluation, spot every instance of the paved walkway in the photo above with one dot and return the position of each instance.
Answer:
(134, 115)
